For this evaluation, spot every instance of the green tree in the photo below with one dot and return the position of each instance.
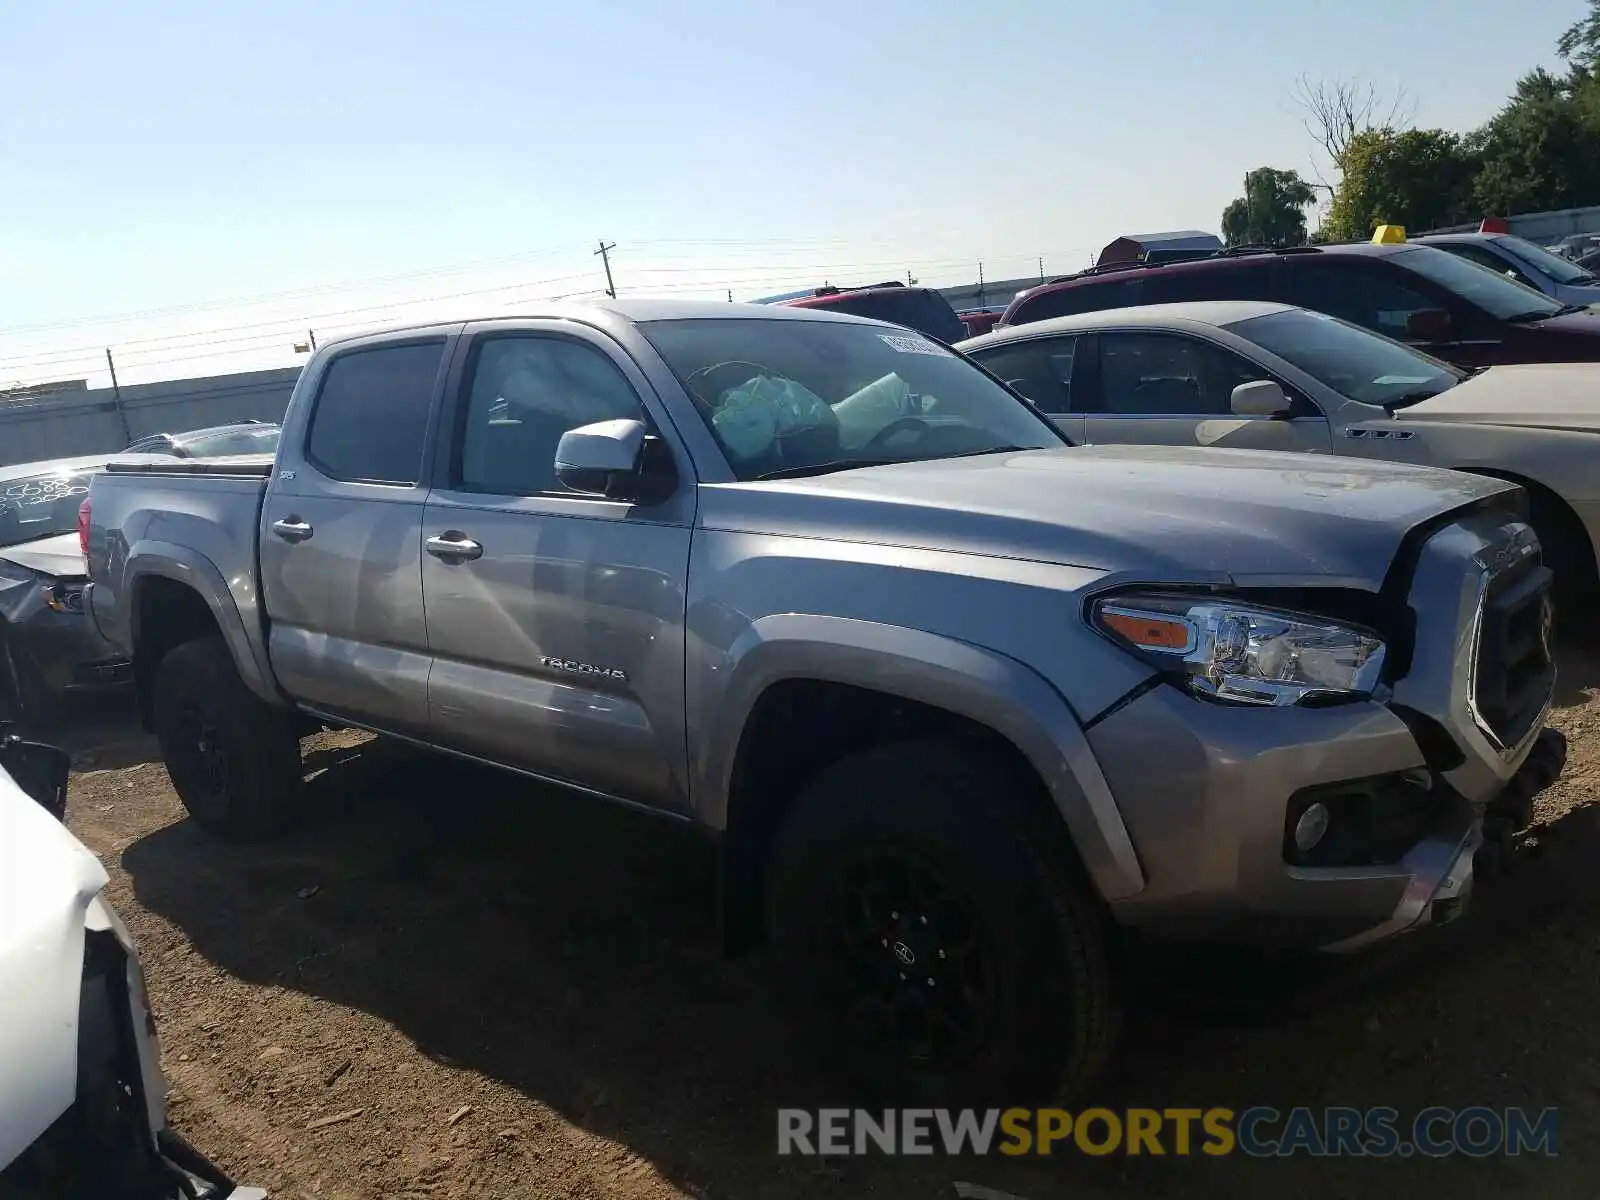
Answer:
(1271, 212)
(1539, 151)
(1580, 44)
(1419, 178)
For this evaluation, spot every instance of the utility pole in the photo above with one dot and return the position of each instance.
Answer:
(980, 286)
(1041, 268)
(605, 256)
(116, 398)
(730, 295)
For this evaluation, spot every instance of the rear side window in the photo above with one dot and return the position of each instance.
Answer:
(371, 415)
(1239, 281)
(1079, 298)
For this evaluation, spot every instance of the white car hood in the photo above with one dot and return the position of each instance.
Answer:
(48, 879)
(1540, 395)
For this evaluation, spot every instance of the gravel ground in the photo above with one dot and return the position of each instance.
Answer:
(454, 984)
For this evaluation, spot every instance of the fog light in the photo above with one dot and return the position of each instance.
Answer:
(1308, 830)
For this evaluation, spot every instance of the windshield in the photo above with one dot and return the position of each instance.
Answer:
(1562, 270)
(791, 395)
(250, 439)
(1356, 363)
(1489, 290)
(40, 506)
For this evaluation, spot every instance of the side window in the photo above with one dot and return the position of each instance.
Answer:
(1247, 280)
(1393, 303)
(371, 414)
(1488, 258)
(525, 392)
(1040, 369)
(1080, 298)
(1367, 298)
(1168, 374)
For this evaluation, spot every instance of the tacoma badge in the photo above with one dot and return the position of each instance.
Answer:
(573, 667)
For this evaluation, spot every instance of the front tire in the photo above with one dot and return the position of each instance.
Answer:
(930, 946)
(234, 760)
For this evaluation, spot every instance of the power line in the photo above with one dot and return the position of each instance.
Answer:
(290, 323)
(263, 336)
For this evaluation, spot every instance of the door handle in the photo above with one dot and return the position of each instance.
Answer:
(452, 546)
(292, 529)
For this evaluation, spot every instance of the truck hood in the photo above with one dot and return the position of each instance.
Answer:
(1540, 395)
(60, 556)
(1167, 513)
(48, 880)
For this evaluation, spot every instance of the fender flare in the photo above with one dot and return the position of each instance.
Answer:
(168, 560)
(990, 688)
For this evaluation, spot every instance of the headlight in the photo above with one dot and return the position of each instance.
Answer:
(1244, 653)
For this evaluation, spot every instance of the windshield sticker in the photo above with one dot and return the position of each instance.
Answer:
(909, 344)
(1386, 380)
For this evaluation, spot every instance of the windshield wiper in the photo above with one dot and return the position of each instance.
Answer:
(1564, 310)
(825, 468)
(986, 450)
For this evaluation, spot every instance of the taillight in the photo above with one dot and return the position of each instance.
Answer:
(83, 527)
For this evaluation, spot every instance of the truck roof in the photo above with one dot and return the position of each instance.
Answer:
(630, 309)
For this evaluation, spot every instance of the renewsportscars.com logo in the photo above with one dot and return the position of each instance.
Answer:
(1259, 1132)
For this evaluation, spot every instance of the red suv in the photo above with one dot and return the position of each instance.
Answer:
(922, 309)
(1430, 299)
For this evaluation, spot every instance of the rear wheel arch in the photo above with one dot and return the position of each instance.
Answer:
(163, 614)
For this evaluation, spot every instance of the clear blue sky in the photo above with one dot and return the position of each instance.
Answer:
(177, 152)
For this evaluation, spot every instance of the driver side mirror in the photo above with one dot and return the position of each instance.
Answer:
(1260, 398)
(39, 770)
(1428, 325)
(603, 459)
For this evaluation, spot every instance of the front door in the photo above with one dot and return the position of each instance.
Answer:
(1156, 387)
(341, 571)
(556, 620)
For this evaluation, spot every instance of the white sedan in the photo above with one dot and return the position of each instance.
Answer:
(1266, 376)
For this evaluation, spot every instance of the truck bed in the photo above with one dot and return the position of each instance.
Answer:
(199, 515)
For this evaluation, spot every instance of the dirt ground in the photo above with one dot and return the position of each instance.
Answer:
(508, 992)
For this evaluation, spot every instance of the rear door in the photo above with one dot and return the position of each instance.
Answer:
(1042, 369)
(341, 569)
(1162, 387)
(558, 637)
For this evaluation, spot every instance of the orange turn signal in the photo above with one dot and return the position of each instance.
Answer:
(1148, 630)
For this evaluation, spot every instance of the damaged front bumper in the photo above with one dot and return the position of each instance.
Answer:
(1442, 868)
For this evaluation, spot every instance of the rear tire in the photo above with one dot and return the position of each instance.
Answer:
(929, 945)
(234, 760)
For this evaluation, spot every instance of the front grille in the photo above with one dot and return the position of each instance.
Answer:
(1515, 668)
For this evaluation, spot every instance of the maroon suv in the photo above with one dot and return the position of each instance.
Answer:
(1444, 305)
(922, 309)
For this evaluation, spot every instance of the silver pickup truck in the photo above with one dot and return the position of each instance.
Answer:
(959, 701)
